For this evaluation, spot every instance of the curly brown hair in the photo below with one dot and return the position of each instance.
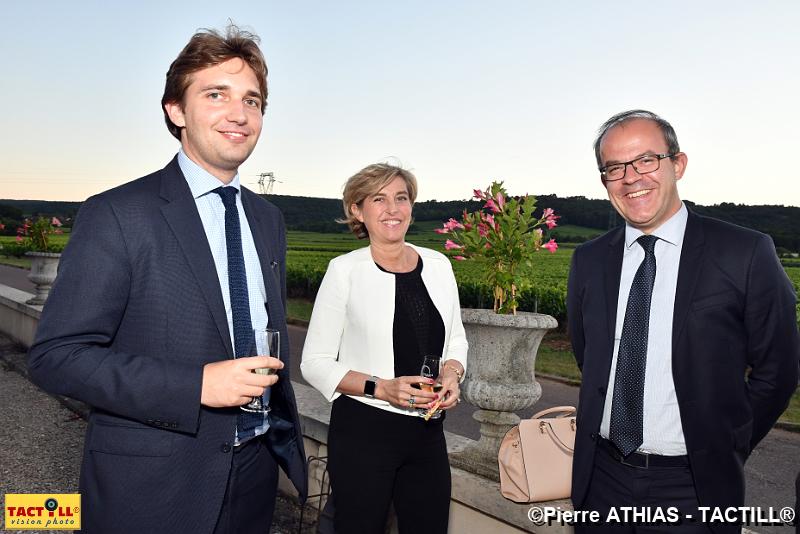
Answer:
(205, 49)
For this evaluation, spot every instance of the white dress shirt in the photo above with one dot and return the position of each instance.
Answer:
(212, 214)
(663, 433)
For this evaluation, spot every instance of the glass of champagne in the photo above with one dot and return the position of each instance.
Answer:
(267, 343)
(431, 366)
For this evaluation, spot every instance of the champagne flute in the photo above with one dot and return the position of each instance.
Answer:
(431, 367)
(267, 343)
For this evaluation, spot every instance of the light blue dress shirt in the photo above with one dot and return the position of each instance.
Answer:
(663, 432)
(212, 214)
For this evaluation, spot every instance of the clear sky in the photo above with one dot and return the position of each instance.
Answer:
(461, 92)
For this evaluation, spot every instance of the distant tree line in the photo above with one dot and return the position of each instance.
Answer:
(319, 215)
(14, 212)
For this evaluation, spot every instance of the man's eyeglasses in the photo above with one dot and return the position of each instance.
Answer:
(642, 165)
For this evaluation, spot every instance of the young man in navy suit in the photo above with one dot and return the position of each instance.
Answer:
(153, 315)
(684, 329)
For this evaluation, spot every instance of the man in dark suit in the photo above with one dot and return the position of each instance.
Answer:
(159, 291)
(684, 329)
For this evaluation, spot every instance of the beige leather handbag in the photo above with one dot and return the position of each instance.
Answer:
(536, 457)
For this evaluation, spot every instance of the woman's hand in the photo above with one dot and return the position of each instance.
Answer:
(400, 392)
(450, 389)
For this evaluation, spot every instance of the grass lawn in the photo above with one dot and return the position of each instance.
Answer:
(792, 413)
(555, 358)
(299, 309)
(25, 263)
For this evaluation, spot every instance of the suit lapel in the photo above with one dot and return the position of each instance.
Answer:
(262, 229)
(613, 271)
(688, 274)
(184, 221)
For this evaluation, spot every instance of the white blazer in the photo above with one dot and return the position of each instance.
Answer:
(351, 325)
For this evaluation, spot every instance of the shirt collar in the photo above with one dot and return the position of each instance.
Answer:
(671, 231)
(201, 182)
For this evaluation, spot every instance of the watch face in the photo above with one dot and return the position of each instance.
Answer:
(369, 388)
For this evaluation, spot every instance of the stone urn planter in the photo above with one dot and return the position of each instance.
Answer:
(44, 266)
(499, 380)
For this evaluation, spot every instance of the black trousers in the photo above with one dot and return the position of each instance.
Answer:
(377, 458)
(616, 485)
(250, 495)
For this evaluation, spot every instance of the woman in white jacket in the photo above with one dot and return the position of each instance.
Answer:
(379, 311)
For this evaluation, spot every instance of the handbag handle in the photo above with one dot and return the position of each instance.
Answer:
(545, 424)
(568, 411)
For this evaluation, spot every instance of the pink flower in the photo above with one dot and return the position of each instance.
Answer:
(467, 227)
(538, 232)
(550, 217)
(19, 239)
(2, 226)
(489, 219)
(459, 258)
(441, 231)
(449, 245)
(453, 224)
(551, 245)
(487, 246)
(492, 206)
(483, 230)
(501, 200)
(55, 222)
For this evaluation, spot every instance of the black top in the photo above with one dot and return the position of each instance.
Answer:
(418, 327)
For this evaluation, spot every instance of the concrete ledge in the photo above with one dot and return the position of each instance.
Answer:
(17, 319)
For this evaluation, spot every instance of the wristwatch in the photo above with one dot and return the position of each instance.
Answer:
(369, 387)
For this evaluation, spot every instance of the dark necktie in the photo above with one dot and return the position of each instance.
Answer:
(627, 407)
(243, 339)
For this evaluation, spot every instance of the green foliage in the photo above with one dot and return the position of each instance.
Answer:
(14, 213)
(793, 272)
(782, 223)
(543, 283)
(35, 236)
(505, 238)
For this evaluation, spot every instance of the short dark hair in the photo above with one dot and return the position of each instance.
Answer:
(205, 49)
(670, 136)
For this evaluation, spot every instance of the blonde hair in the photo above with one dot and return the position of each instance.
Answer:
(369, 181)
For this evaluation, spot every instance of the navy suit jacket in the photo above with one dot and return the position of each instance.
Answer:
(134, 315)
(734, 311)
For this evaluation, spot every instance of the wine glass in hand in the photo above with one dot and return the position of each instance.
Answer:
(267, 343)
(431, 366)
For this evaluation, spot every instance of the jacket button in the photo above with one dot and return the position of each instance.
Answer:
(226, 447)
(593, 435)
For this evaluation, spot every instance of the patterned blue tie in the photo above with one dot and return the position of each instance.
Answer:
(243, 339)
(627, 407)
